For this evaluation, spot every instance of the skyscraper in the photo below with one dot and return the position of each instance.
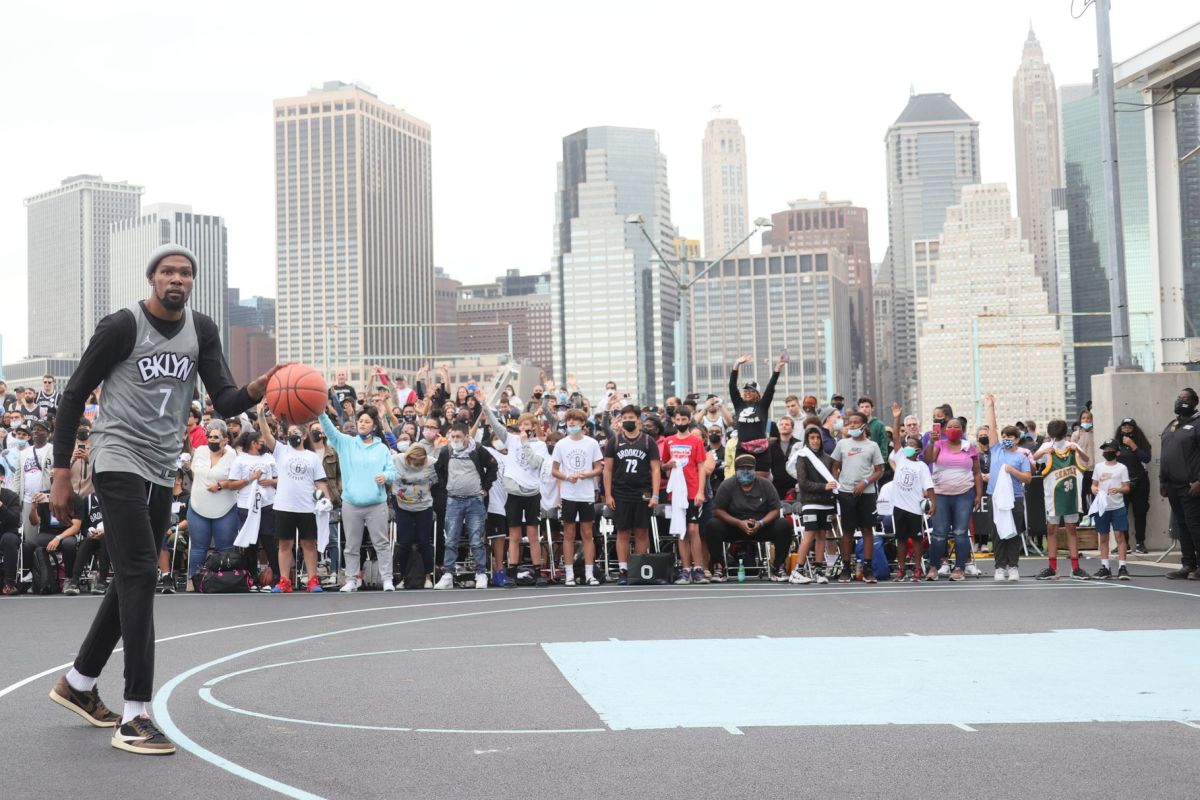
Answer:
(134, 239)
(990, 329)
(1039, 167)
(1187, 136)
(614, 308)
(1084, 170)
(932, 153)
(840, 224)
(726, 198)
(68, 259)
(354, 231)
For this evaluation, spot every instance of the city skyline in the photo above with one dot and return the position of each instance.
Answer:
(92, 131)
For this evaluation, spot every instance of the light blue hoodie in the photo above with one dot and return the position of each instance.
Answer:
(360, 463)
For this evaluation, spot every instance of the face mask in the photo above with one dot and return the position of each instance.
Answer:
(909, 452)
(366, 436)
(214, 446)
(954, 434)
(574, 429)
(410, 417)
(1007, 444)
(839, 406)
(837, 425)
(856, 432)
(403, 446)
(295, 439)
(1087, 426)
(1110, 455)
(429, 435)
(22, 444)
(984, 441)
(1183, 409)
(457, 446)
(630, 425)
(745, 477)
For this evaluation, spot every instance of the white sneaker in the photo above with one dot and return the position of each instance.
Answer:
(388, 586)
(1013, 575)
(569, 582)
(944, 570)
(445, 582)
(481, 580)
(593, 581)
(798, 577)
(821, 578)
(428, 582)
(351, 585)
(971, 570)
(1001, 573)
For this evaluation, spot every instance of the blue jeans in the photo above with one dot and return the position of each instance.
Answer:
(471, 512)
(204, 533)
(953, 510)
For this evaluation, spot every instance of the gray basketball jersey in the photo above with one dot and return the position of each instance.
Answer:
(144, 403)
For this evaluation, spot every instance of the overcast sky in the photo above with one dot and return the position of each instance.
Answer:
(177, 97)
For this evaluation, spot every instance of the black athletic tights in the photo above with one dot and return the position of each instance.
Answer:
(136, 517)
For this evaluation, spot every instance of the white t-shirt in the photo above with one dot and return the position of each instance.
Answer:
(497, 496)
(33, 461)
(884, 501)
(243, 468)
(1111, 476)
(299, 470)
(578, 456)
(910, 482)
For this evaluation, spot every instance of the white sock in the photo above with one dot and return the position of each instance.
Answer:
(570, 568)
(588, 570)
(80, 682)
(1104, 563)
(623, 565)
(1121, 564)
(133, 708)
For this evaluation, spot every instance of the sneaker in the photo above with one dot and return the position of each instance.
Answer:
(1140, 549)
(10, 589)
(1103, 574)
(780, 575)
(623, 578)
(481, 580)
(1122, 573)
(944, 570)
(1001, 574)
(140, 735)
(351, 585)
(972, 571)
(428, 582)
(540, 580)
(71, 588)
(571, 581)
(594, 581)
(932, 575)
(718, 573)
(1181, 574)
(314, 585)
(1047, 574)
(86, 704)
(956, 574)
(445, 582)
(799, 578)
(254, 587)
(100, 587)
(869, 577)
(1013, 575)
(844, 576)
(684, 579)
(283, 587)
(916, 576)
(820, 579)
(1078, 574)
(500, 578)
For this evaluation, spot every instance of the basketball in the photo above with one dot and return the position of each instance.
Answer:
(297, 393)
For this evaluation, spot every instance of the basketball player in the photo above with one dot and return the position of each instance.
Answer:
(148, 357)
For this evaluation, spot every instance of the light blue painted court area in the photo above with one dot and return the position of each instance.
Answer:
(1058, 676)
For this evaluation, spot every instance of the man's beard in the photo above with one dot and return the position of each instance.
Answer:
(173, 303)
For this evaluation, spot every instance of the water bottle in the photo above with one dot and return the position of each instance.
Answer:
(741, 570)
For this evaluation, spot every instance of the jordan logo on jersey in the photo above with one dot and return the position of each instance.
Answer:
(165, 365)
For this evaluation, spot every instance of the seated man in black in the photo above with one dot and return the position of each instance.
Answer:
(746, 508)
(10, 538)
(55, 535)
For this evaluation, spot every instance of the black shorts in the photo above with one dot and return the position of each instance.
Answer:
(577, 511)
(496, 526)
(817, 519)
(693, 513)
(631, 515)
(520, 509)
(908, 525)
(288, 523)
(858, 511)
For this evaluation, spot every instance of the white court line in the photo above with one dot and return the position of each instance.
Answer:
(966, 728)
(1126, 585)
(1189, 724)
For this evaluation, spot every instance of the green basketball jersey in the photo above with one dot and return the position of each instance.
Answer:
(1062, 475)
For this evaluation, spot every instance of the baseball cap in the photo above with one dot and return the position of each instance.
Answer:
(1129, 421)
(752, 385)
(1110, 444)
(837, 397)
(744, 461)
(40, 423)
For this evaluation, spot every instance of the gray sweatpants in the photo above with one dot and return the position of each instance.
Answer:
(375, 520)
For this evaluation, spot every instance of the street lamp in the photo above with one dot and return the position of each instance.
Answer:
(683, 363)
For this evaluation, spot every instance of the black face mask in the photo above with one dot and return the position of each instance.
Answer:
(715, 439)
(983, 441)
(295, 439)
(1110, 455)
(1183, 409)
(215, 447)
(410, 417)
(630, 425)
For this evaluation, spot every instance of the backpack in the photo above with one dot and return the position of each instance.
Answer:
(879, 561)
(47, 571)
(222, 573)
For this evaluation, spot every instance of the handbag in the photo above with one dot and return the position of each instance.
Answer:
(222, 573)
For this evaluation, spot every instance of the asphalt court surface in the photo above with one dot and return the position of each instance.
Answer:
(973, 689)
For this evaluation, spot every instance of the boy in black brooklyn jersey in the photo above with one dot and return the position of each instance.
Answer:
(148, 357)
(632, 475)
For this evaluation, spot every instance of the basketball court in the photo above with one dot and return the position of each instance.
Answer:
(896, 690)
